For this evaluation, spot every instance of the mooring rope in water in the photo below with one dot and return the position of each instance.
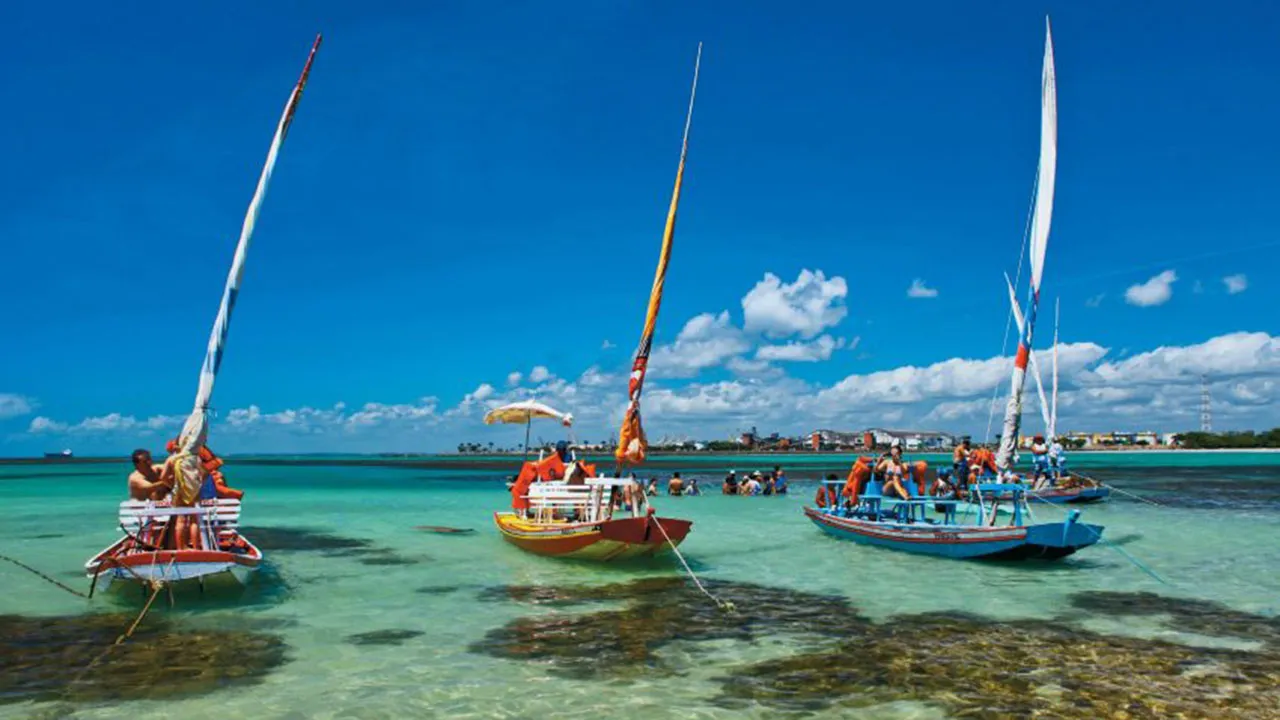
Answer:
(1124, 553)
(156, 587)
(724, 605)
(41, 575)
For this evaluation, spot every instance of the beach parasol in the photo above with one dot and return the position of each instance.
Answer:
(524, 412)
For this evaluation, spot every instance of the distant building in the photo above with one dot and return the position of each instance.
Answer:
(913, 439)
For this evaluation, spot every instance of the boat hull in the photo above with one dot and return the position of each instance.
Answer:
(120, 562)
(606, 541)
(1073, 496)
(1048, 541)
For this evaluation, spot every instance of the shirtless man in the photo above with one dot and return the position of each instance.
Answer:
(144, 481)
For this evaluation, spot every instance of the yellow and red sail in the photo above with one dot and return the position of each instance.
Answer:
(632, 444)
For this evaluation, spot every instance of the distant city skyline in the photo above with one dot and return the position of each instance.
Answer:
(470, 204)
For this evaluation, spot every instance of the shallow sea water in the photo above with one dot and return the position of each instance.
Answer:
(364, 616)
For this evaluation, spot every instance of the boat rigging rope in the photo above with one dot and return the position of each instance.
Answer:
(724, 605)
(1135, 561)
(1017, 279)
(41, 575)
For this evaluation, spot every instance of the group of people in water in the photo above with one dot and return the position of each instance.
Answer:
(756, 483)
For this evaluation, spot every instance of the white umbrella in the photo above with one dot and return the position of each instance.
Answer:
(524, 412)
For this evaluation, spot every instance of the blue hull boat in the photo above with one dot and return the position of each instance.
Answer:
(906, 526)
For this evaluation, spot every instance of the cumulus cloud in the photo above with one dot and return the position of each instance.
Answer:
(514, 378)
(919, 290)
(705, 341)
(106, 424)
(1236, 283)
(13, 405)
(606, 345)
(805, 307)
(539, 374)
(1155, 291)
(801, 351)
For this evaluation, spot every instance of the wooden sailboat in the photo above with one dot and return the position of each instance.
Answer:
(996, 522)
(578, 517)
(168, 541)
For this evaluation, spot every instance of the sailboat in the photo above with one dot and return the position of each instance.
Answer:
(578, 517)
(996, 522)
(167, 541)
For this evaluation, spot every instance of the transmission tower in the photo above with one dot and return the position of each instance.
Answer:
(1206, 407)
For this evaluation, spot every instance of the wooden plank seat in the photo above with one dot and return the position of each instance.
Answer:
(221, 513)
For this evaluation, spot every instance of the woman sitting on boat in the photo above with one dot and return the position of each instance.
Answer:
(894, 471)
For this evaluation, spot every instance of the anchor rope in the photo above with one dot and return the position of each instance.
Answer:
(42, 576)
(156, 587)
(1124, 553)
(724, 605)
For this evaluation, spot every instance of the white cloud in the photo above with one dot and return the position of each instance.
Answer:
(514, 378)
(705, 341)
(801, 351)
(13, 405)
(483, 392)
(1155, 291)
(539, 374)
(1095, 300)
(1236, 283)
(1233, 355)
(919, 290)
(805, 307)
(106, 424)
(606, 345)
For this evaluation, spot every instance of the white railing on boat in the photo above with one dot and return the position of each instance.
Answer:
(222, 512)
(592, 498)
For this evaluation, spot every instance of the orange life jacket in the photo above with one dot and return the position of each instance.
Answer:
(859, 474)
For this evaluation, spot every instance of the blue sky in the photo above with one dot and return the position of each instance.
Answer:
(471, 190)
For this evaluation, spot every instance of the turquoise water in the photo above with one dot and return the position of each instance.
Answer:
(408, 623)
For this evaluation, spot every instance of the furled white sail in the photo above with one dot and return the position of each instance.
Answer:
(196, 428)
(1038, 245)
(1035, 365)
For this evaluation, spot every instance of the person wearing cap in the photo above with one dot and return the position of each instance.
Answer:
(730, 486)
(752, 486)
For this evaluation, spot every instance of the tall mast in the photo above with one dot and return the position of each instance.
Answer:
(631, 441)
(1039, 242)
(196, 428)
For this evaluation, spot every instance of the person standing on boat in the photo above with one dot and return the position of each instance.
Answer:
(730, 486)
(1040, 457)
(675, 486)
(893, 468)
(960, 461)
(144, 481)
(779, 481)
(1057, 459)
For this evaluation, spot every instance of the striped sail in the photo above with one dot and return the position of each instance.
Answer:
(632, 444)
(1039, 242)
(196, 428)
